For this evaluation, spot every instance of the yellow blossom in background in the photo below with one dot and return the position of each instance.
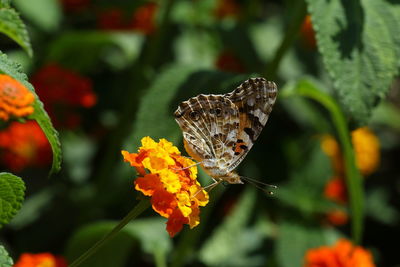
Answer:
(367, 149)
(331, 148)
(170, 180)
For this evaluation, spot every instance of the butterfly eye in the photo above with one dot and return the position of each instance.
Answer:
(194, 115)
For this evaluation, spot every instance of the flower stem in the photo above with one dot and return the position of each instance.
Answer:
(353, 177)
(136, 211)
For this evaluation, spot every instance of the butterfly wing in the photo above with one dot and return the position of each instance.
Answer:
(210, 125)
(254, 99)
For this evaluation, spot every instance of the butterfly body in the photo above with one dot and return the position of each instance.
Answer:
(219, 130)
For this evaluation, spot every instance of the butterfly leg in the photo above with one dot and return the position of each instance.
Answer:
(188, 167)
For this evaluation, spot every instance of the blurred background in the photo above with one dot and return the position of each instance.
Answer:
(112, 72)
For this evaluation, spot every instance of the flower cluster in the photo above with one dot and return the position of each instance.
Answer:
(367, 155)
(170, 180)
(40, 260)
(142, 20)
(342, 254)
(63, 91)
(23, 145)
(15, 99)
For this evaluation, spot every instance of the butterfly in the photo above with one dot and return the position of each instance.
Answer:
(219, 130)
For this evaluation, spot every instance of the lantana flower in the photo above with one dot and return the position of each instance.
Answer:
(63, 92)
(23, 145)
(170, 179)
(342, 254)
(15, 99)
(40, 260)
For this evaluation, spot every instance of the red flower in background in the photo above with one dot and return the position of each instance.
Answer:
(63, 92)
(75, 5)
(227, 61)
(23, 145)
(40, 260)
(112, 19)
(336, 191)
(308, 34)
(227, 8)
(142, 20)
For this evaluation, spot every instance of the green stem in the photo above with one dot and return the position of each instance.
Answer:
(300, 11)
(353, 177)
(136, 211)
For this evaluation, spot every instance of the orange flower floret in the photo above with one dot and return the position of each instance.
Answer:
(170, 180)
(366, 147)
(23, 145)
(342, 254)
(40, 260)
(15, 99)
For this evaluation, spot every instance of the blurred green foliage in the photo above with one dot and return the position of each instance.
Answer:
(140, 76)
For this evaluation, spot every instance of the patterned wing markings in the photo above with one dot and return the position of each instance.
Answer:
(255, 99)
(210, 126)
(219, 130)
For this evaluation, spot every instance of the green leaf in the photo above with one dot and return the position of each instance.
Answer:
(12, 191)
(231, 243)
(295, 239)
(360, 46)
(5, 260)
(378, 207)
(12, 26)
(13, 69)
(33, 10)
(149, 234)
(33, 208)
(82, 50)
(387, 114)
(159, 123)
(5, 3)
(304, 191)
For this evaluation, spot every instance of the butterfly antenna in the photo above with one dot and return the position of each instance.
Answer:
(259, 184)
